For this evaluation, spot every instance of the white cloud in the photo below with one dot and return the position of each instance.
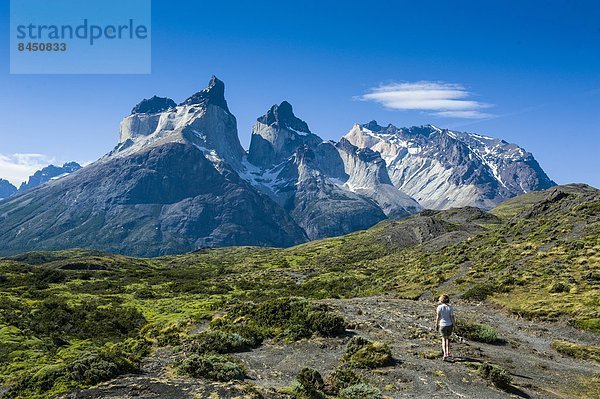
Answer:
(16, 168)
(442, 99)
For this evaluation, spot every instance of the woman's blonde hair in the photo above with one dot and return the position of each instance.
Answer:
(444, 298)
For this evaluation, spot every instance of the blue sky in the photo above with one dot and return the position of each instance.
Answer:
(527, 72)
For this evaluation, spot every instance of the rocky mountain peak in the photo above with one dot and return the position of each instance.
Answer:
(373, 126)
(277, 134)
(282, 115)
(153, 105)
(6, 189)
(213, 94)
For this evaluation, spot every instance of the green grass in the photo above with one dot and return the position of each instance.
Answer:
(577, 351)
(58, 306)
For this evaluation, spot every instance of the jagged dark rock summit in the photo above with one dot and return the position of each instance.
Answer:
(282, 115)
(214, 94)
(153, 105)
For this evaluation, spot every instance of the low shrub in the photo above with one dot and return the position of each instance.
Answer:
(340, 378)
(309, 383)
(362, 353)
(213, 366)
(99, 321)
(42, 277)
(216, 341)
(577, 351)
(497, 375)
(558, 287)
(479, 292)
(360, 391)
(248, 330)
(92, 368)
(88, 368)
(290, 318)
(479, 332)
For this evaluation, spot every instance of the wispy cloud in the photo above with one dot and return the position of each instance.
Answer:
(448, 100)
(16, 168)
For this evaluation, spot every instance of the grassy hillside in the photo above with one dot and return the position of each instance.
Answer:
(74, 318)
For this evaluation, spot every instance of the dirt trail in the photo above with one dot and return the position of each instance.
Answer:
(407, 326)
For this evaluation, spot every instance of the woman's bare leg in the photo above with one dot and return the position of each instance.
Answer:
(444, 346)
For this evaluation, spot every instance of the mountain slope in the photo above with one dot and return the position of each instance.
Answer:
(167, 199)
(442, 168)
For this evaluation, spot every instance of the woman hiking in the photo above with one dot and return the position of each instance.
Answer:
(444, 323)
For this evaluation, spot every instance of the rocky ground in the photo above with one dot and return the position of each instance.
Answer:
(407, 326)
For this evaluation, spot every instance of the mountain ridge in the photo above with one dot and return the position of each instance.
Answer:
(304, 187)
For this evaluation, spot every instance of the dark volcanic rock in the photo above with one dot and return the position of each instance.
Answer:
(170, 199)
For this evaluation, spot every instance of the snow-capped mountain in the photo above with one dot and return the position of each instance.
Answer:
(203, 120)
(179, 180)
(441, 168)
(6, 189)
(328, 188)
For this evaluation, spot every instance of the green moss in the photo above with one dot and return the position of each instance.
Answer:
(577, 351)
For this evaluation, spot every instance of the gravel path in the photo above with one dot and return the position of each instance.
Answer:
(407, 326)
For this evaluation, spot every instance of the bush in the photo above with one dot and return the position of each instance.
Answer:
(479, 292)
(326, 324)
(216, 341)
(42, 277)
(558, 287)
(309, 383)
(479, 332)
(253, 334)
(212, 366)
(88, 368)
(45, 378)
(55, 317)
(360, 391)
(92, 368)
(290, 318)
(497, 375)
(340, 378)
(363, 353)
